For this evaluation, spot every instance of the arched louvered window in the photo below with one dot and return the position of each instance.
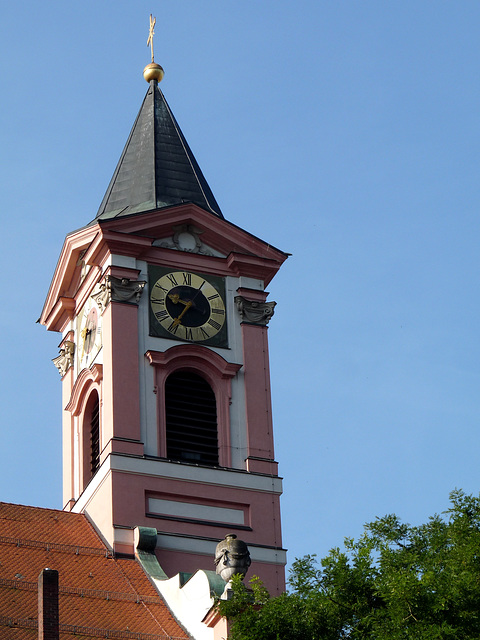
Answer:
(191, 419)
(91, 437)
(95, 436)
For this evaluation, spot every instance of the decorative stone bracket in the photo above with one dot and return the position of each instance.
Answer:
(118, 290)
(64, 361)
(255, 312)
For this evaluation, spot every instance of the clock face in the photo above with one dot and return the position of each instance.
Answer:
(188, 306)
(90, 330)
(89, 334)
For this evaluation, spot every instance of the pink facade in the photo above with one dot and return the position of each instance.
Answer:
(192, 507)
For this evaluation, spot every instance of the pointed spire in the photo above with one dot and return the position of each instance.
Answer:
(157, 168)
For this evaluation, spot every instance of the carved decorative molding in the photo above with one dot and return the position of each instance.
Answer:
(87, 380)
(255, 312)
(186, 237)
(64, 361)
(118, 290)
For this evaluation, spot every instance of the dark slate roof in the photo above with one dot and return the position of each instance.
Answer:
(157, 168)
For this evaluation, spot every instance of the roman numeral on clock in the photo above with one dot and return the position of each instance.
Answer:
(173, 328)
(214, 324)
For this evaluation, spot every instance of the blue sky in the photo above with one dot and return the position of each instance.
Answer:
(346, 133)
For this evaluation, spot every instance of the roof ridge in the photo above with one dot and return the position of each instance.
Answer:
(31, 506)
(56, 546)
(187, 153)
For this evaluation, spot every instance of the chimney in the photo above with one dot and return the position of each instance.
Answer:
(48, 605)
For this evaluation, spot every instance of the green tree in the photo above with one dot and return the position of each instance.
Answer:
(396, 582)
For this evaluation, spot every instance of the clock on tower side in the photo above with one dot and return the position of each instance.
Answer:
(98, 416)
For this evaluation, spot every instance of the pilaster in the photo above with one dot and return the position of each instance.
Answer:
(121, 405)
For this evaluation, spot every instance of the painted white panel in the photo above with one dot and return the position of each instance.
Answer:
(148, 399)
(189, 603)
(238, 422)
(124, 536)
(199, 511)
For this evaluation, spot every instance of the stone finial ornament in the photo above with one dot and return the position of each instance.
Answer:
(231, 557)
(64, 361)
(118, 290)
(255, 312)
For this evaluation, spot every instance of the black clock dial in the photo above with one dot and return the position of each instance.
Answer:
(194, 305)
(189, 307)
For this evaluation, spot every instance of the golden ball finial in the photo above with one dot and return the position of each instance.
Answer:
(153, 71)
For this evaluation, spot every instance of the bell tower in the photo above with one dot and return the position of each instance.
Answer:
(162, 308)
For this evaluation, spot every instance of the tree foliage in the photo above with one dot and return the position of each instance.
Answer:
(397, 582)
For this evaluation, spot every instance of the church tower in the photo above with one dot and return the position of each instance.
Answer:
(162, 308)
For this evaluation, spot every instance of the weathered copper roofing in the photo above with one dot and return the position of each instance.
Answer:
(157, 168)
(99, 595)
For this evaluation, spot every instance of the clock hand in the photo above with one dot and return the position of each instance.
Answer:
(83, 334)
(175, 298)
(187, 307)
(198, 291)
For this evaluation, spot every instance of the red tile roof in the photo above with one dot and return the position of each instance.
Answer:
(97, 592)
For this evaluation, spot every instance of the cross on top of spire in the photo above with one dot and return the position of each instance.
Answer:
(151, 33)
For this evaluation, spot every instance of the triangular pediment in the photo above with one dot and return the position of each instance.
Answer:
(208, 234)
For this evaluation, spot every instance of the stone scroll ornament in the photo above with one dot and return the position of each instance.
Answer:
(64, 361)
(186, 237)
(255, 312)
(118, 290)
(231, 557)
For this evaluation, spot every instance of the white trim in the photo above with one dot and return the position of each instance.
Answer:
(220, 477)
(118, 260)
(172, 470)
(93, 486)
(76, 459)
